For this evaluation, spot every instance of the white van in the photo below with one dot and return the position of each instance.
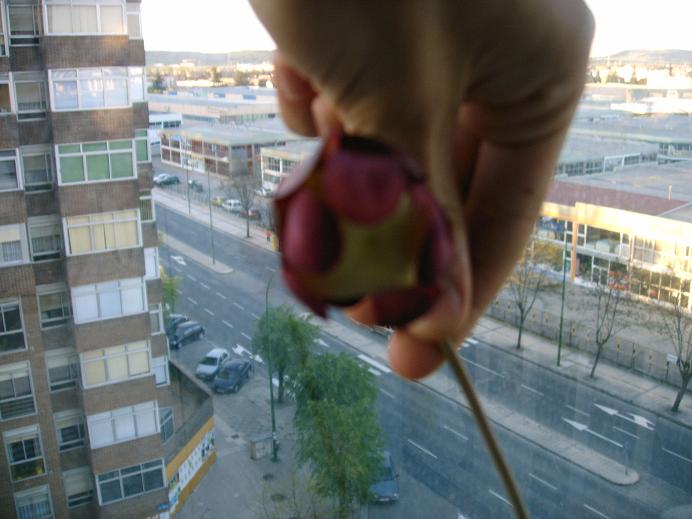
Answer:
(233, 205)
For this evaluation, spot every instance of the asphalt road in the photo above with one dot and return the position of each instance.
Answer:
(441, 459)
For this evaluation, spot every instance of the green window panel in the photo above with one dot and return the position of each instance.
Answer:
(121, 165)
(71, 169)
(142, 148)
(97, 167)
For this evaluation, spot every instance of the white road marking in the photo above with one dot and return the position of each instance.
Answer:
(625, 432)
(636, 419)
(192, 301)
(270, 269)
(255, 316)
(204, 286)
(597, 512)
(322, 343)
(472, 340)
(499, 496)
(540, 480)
(180, 292)
(577, 410)
(536, 391)
(221, 295)
(688, 460)
(385, 392)
(179, 260)
(456, 433)
(239, 350)
(191, 278)
(209, 311)
(483, 367)
(374, 363)
(583, 427)
(227, 324)
(375, 372)
(246, 336)
(421, 448)
(238, 306)
(466, 344)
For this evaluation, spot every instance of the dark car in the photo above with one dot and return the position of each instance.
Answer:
(195, 186)
(386, 488)
(174, 320)
(186, 332)
(253, 214)
(232, 375)
(164, 179)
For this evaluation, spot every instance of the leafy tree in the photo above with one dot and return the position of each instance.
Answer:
(337, 433)
(158, 84)
(215, 76)
(609, 309)
(676, 326)
(244, 187)
(285, 338)
(241, 78)
(529, 278)
(169, 286)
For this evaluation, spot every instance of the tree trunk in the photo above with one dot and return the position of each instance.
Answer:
(521, 329)
(280, 378)
(681, 393)
(247, 226)
(595, 361)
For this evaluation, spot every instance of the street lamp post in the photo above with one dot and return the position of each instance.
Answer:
(275, 446)
(562, 300)
(188, 158)
(211, 221)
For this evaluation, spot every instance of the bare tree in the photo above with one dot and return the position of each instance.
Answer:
(676, 325)
(609, 303)
(244, 188)
(529, 278)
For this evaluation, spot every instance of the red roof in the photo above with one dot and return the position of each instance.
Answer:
(568, 193)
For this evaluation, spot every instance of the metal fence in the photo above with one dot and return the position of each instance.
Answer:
(576, 335)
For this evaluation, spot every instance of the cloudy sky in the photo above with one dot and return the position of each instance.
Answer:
(227, 25)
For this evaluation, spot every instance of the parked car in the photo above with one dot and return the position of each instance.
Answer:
(386, 488)
(264, 192)
(185, 332)
(173, 321)
(233, 205)
(195, 186)
(232, 375)
(164, 179)
(217, 201)
(211, 363)
(253, 214)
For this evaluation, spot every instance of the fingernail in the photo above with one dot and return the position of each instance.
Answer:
(291, 85)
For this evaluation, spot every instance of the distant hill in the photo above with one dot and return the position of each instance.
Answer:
(663, 57)
(154, 57)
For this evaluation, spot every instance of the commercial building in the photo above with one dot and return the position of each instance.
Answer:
(93, 423)
(277, 163)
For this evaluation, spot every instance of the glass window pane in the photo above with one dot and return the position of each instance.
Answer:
(133, 26)
(120, 145)
(139, 363)
(91, 93)
(94, 146)
(126, 234)
(115, 91)
(146, 423)
(71, 169)
(112, 19)
(97, 167)
(121, 165)
(110, 491)
(117, 368)
(59, 19)
(133, 301)
(8, 175)
(142, 147)
(133, 485)
(104, 237)
(137, 89)
(94, 372)
(124, 426)
(80, 239)
(84, 19)
(85, 306)
(153, 479)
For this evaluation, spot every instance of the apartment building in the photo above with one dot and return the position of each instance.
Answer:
(94, 419)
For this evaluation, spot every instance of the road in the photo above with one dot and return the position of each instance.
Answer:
(433, 440)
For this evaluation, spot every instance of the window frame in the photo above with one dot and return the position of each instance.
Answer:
(19, 78)
(84, 154)
(166, 417)
(37, 151)
(123, 74)
(144, 196)
(52, 289)
(34, 491)
(79, 471)
(128, 412)
(17, 169)
(146, 139)
(24, 258)
(45, 221)
(123, 284)
(17, 302)
(158, 363)
(134, 9)
(66, 227)
(72, 364)
(158, 310)
(97, 4)
(74, 417)
(105, 357)
(34, 39)
(151, 254)
(117, 475)
(22, 435)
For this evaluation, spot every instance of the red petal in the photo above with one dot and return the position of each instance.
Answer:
(309, 235)
(403, 306)
(363, 187)
(437, 253)
(313, 302)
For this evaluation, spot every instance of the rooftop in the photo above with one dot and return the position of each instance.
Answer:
(296, 148)
(213, 101)
(259, 132)
(579, 148)
(652, 128)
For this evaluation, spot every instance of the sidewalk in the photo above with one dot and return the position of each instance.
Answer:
(646, 393)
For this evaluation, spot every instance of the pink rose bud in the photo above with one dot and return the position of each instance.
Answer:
(355, 221)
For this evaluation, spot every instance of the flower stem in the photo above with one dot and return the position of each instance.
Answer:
(484, 427)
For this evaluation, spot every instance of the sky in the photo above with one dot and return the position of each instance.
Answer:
(228, 25)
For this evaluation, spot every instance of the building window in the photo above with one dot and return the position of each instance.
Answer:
(16, 395)
(109, 299)
(142, 146)
(34, 503)
(79, 486)
(146, 207)
(124, 424)
(85, 17)
(130, 481)
(96, 88)
(13, 245)
(3, 37)
(11, 329)
(115, 364)
(134, 21)
(167, 423)
(159, 365)
(30, 93)
(9, 166)
(53, 304)
(25, 23)
(151, 263)
(63, 368)
(95, 162)
(37, 168)
(45, 238)
(69, 428)
(24, 453)
(102, 232)
(156, 318)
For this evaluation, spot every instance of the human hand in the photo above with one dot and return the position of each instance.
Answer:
(480, 93)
